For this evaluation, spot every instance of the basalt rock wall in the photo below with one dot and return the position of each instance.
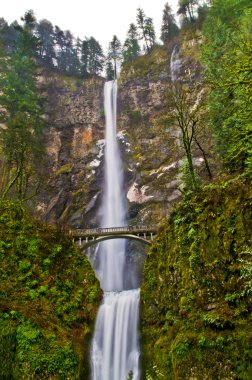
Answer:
(151, 152)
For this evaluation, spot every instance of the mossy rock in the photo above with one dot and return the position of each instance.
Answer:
(196, 294)
(49, 298)
(150, 66)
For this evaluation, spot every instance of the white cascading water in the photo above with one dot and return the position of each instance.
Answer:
(115, 345)
(175, 63)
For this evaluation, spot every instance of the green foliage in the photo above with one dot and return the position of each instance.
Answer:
(21, 111)
(92, 57)
(184, 111)
(227, 59)
(146, 30)
(48, 296)
(65, 169)
(130, 375)
(114, 55)
(196, 291)
(135, 117)
(30, 353)
(187, 10)
(154, 374)
(169, 28)
(149, 66)
(131, 48)
(246, 270)
(190, 180)
(46, 52)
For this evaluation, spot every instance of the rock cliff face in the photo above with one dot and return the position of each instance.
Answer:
(74, 146)
(152, 154)
(72, 190)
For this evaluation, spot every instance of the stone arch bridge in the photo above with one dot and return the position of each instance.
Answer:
(86, 238)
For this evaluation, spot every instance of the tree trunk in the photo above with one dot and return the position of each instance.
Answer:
(205, 159)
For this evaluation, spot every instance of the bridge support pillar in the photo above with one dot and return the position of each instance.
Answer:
(80, 241)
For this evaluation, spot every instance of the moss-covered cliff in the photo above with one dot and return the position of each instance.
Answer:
(196, 293)
(48, 300)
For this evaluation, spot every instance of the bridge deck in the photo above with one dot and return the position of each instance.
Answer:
(125, 230)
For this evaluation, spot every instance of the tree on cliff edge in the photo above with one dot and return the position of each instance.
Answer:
(115, 54)
(186, 9)
(92, 57)
(131, 48)
(21, 112)
(169, 28)
(146, 30)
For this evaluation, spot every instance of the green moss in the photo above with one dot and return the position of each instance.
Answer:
(65, 169)
(196, 293)
(149, 66)
(48, 297)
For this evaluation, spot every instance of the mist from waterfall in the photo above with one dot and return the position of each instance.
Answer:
(115, 345)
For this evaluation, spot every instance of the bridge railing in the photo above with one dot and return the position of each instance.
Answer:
(111, 230)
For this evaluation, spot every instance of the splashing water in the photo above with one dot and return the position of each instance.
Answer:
(115, 345)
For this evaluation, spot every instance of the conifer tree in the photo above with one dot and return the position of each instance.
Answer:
(21, 112)
(84, 57)
(92, 57)
(115, 53)
(131, 48)
(45, 33)
(96, 57)
(146, 29)
(186, 8)
(169, 28)
(109, 70)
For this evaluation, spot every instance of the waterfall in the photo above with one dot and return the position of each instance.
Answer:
(115, 346)
(175, 63)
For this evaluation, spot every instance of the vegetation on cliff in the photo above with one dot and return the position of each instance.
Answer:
(48, 299)
(196, 293)
(226, 55)
(21, 147)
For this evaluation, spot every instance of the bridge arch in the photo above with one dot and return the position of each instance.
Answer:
(89, 243)
(86, 238)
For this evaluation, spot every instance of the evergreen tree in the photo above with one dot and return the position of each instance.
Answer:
(131, 48)
(68, 55)
(74, 65)
(150, 32)
(141, 27)
(60, 47)
(146, 29)
(109, 70)
(92, 57)
(67, 52)
(169, 28)
(187, 9)
(45, 33)
(96, 57)
(4, 30)
(21, 111)
(115, 54)
(84, 57)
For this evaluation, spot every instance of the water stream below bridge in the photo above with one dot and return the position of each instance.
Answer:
(115, 344)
